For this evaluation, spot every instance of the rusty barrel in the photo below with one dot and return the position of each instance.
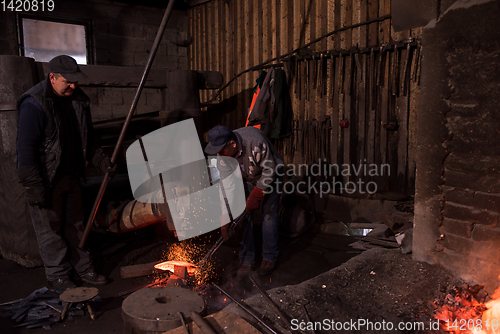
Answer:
(17, 237)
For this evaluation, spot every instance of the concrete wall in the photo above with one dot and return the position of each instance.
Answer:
(457, 200)
(122, 35)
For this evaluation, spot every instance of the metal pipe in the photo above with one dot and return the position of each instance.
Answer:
(246, 310)
(118, 146)
(202, 323)
(283, 316)
(183, 322)
(381, 18)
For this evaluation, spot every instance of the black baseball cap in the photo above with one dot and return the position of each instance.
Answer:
(218, 137)
(67, 67)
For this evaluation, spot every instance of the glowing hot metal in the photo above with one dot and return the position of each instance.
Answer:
(170, 265)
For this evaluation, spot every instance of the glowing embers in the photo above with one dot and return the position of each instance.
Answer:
(464, 310)
(170, 266)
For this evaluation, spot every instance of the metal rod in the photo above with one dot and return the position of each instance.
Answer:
(183, 322)
(381, 18)
(219, 242)
(142, 287)
(202, 323)
(245, 309)
(118, 146)
(283, 316)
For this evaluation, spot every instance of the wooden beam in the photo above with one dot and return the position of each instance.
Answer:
(125, 76)
(138, 270)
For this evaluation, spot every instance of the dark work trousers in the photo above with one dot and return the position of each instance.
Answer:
(270, 230)
(59, 228)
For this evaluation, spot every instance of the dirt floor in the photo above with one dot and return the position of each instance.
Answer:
(341, 284)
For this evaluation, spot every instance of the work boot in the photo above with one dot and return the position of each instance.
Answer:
(244, 269)
(92, 277)
(62, 284)
(266, 268)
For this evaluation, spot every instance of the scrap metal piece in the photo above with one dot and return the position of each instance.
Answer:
(183, 322)
(283, 317)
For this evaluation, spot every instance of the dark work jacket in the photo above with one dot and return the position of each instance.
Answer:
(50, 149)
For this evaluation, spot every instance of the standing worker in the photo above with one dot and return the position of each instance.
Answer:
(55, 140)
(260, 166)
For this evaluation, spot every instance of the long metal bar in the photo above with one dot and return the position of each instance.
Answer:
(284, 317)
(118, 146)
(221, 240)
(245, 309)
(202, 323)
(183, 322)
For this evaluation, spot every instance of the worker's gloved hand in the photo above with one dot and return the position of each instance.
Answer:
(226, 232)
(253, 201)
(35, 196)
(109, 167)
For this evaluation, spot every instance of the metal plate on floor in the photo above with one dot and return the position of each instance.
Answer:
(155, 309)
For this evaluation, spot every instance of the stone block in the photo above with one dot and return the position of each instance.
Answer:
(153, 97)
(477, 199)
(107, 42)
(160, 61)
(477, 181)
(140, 58)
(457, 244)
(134, 45)
(488, 201)
(470, 214)
(489, 235)
(486, 252)
(126, 58)
(457, 227)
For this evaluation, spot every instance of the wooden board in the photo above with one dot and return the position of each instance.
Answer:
(138, 270)
(221, 322)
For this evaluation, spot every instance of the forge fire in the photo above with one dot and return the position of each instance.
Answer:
(465, 310)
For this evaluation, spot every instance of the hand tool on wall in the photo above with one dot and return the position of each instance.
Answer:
(314, 70)
(321, 78)
(395, 73)
(405, 77)
(372, 80)
(332, 75)
(306, 75)
(299, 79)
(295, 128)
(118, 147)
(417, 63)
(296, 74)
(380, 72)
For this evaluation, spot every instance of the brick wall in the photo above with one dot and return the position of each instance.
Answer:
(122, 36)
(458, 171)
